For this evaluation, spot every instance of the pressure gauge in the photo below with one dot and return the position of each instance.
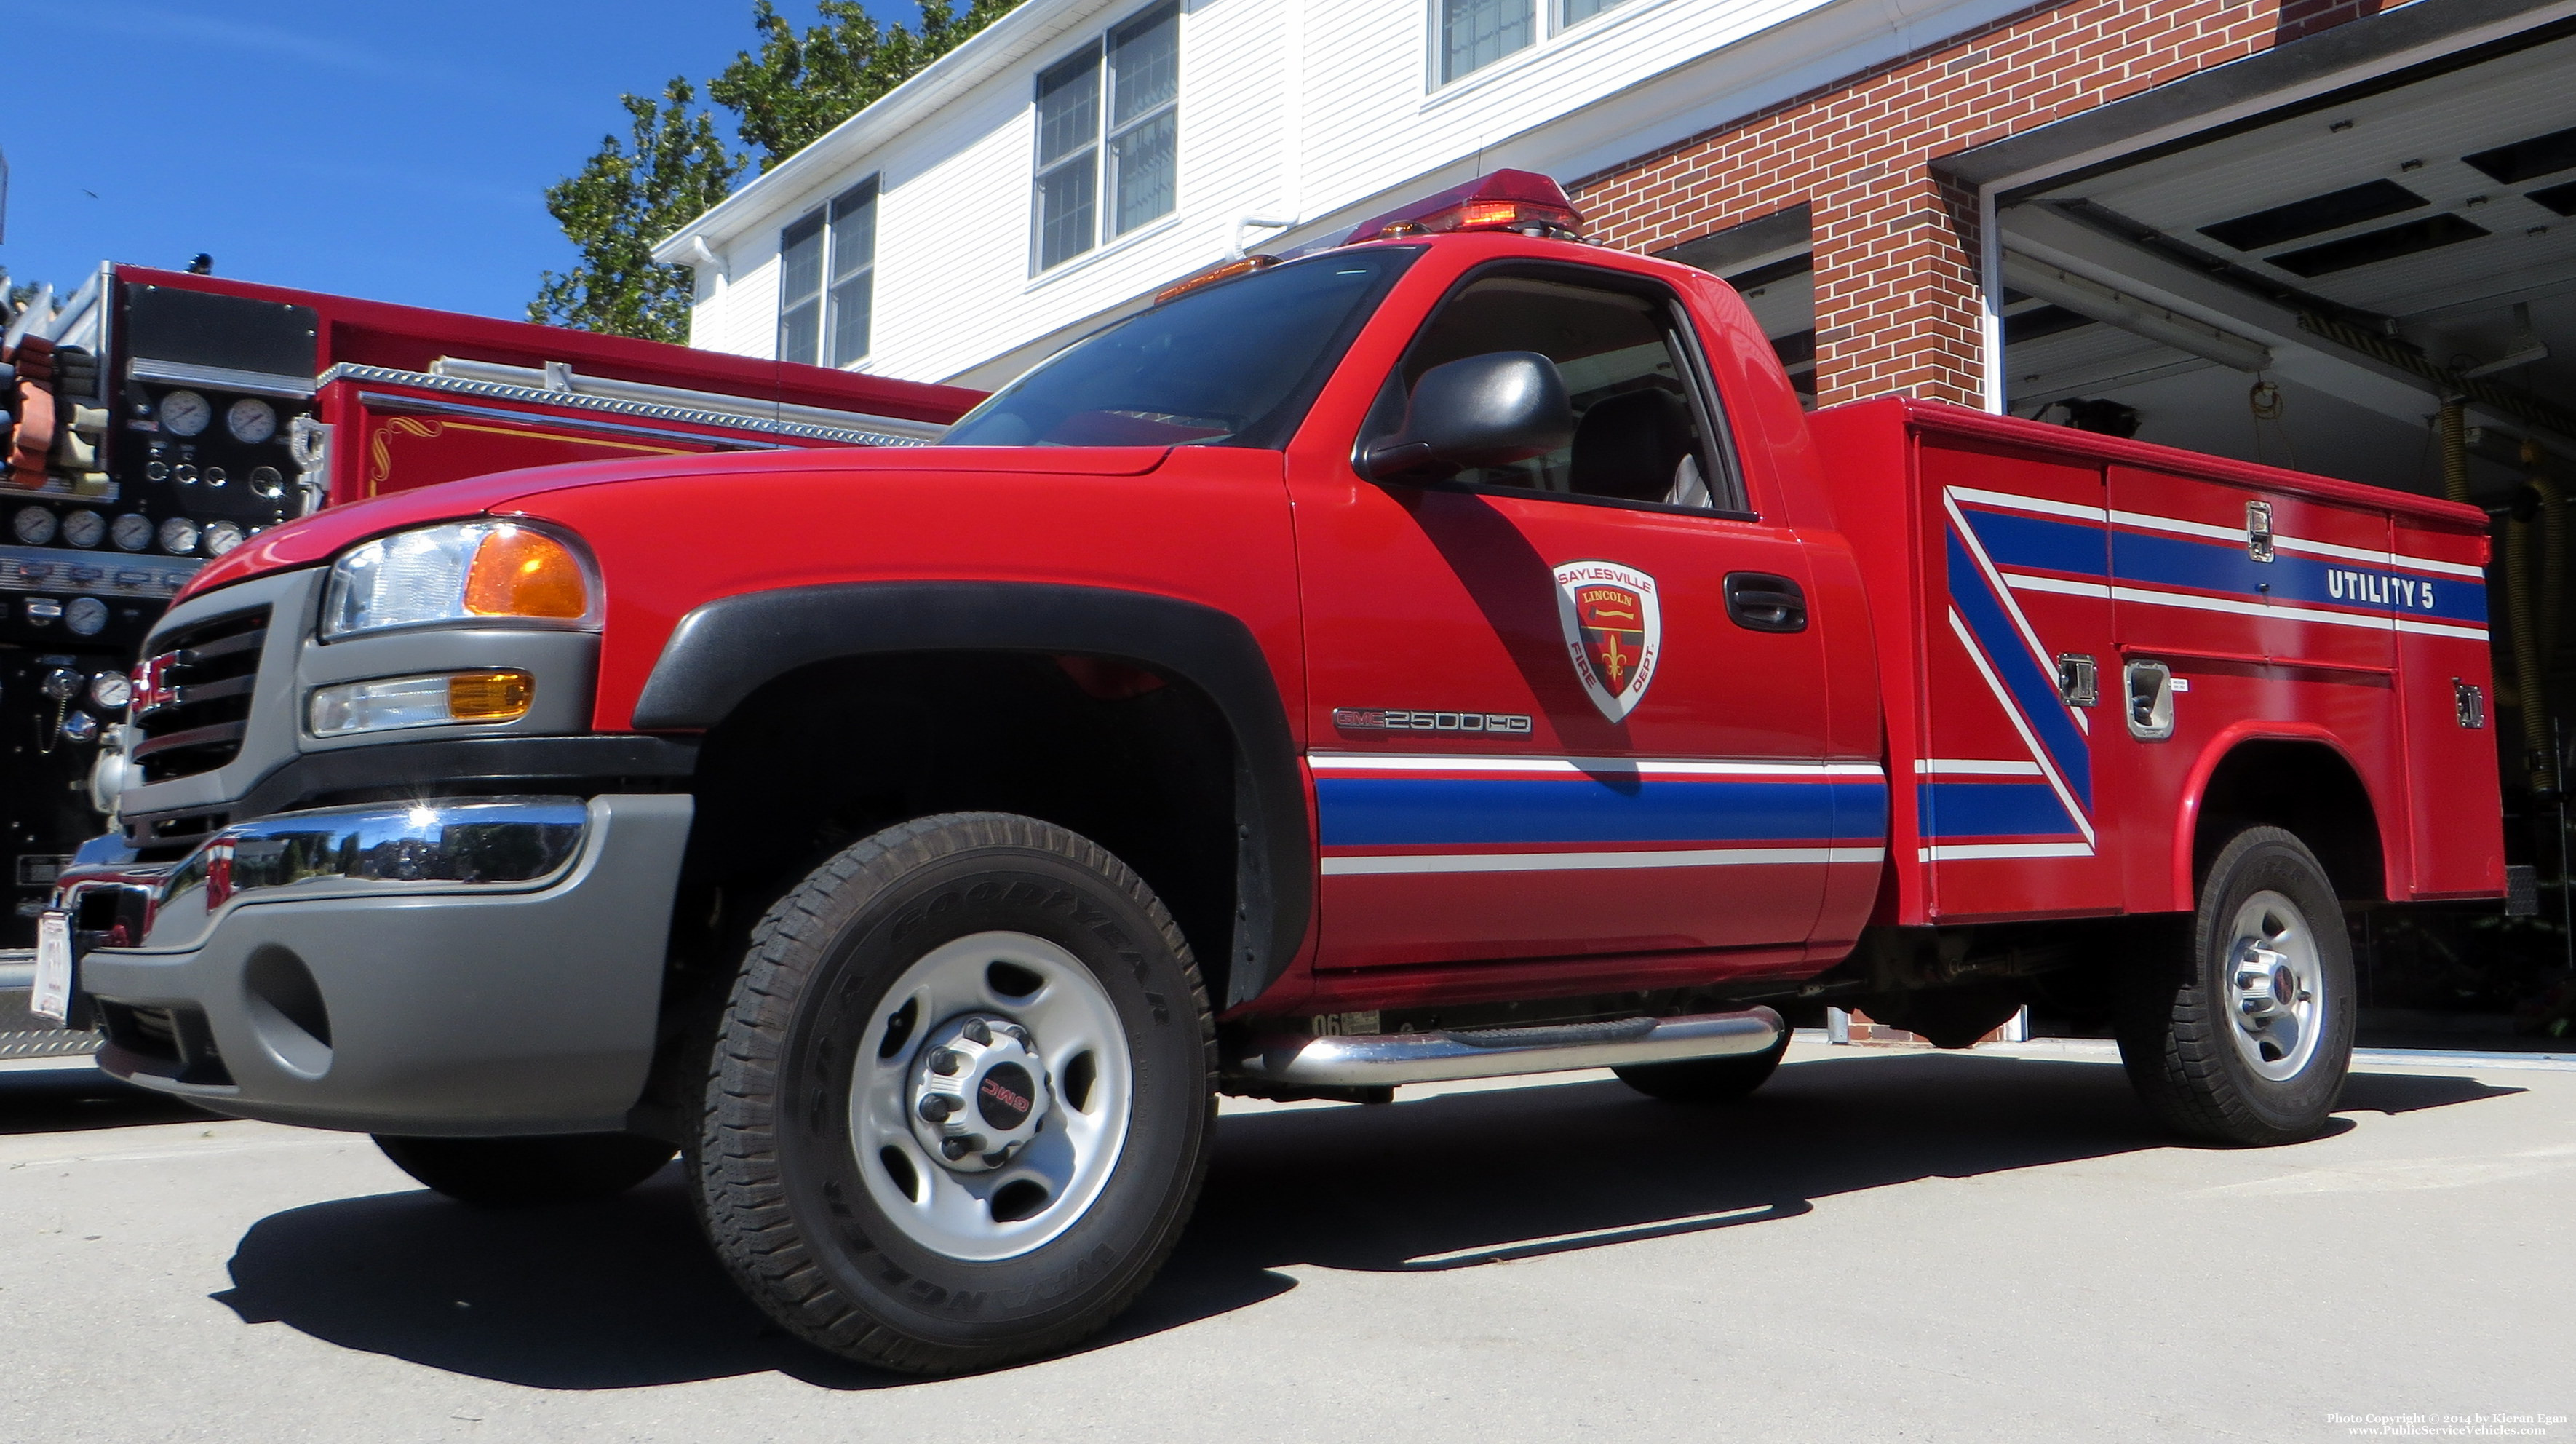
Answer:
(110, 691)
(267, 483)
(220, 537)
(86, 616)
(131, 532)
(84, 529)
(33, 525)
(185, 413)
(251, 420)
(178, 536)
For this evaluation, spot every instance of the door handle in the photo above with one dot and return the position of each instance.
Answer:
(1761, 602)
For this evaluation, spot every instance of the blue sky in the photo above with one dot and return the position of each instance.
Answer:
(399, 152)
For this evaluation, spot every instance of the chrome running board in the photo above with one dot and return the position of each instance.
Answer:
(1379, 1059)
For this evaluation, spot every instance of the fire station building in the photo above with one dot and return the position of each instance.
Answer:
(2338, 235)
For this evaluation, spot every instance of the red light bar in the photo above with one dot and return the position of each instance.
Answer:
(1507, 200)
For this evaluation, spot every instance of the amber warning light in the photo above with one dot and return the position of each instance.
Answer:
(1507, 200)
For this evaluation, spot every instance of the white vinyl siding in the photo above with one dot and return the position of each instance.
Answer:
(1135, 173)
(1314, 112)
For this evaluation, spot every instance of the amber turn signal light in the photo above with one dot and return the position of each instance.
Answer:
(518, 572)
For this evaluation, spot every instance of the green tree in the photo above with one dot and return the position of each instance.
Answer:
(800, 86)
(621, 203)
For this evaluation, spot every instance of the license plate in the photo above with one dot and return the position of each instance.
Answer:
(53, 994)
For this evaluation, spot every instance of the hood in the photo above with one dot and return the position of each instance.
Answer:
(325, 534)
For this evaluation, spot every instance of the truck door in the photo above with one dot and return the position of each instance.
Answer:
(1539, 728)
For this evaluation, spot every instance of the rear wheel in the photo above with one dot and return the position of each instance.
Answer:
(961, 1097)
(1705, 1080)
(513, 1172)
(2247, 1037)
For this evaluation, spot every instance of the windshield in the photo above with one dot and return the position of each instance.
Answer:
(1233, 365)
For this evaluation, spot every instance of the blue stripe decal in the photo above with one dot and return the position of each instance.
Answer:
(1399, 811)
(2034, 691)
(2014, 539)
(1991, 809)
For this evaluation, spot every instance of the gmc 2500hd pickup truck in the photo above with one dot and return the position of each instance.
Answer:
(1448, 654)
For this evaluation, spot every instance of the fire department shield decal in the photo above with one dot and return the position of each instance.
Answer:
(1614, 628)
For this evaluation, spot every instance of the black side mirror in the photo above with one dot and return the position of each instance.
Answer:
(1489, 410)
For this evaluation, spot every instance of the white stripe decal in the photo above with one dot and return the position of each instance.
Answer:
(2022, 581)
(2038, 754)
(1582, 766)
(1974, 767)
(2441, 629)
(1386, 866)
(2029, 636)
(1972, 851)
(2042, 505)
(2148, 521)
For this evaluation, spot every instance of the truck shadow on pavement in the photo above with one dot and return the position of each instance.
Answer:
(625, 1292)
(74, 1099)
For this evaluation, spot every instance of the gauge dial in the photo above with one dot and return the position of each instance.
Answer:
(220, 537)
(110, 691)
(178, 536)
(131, 532)
(251, 420)
(86, 616)
(33, 525)
(84, 529)
(185, 413)
(267, 483)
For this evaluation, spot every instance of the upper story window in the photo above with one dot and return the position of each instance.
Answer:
(1108, 162)
(1476, 33)
(827, 280)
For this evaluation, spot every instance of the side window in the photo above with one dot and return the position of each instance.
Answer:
(1645, 428)
(827, 324)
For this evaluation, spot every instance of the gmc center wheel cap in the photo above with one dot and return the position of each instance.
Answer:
(979, 1092)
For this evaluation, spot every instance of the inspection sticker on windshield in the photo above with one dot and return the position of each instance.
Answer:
(52, 998)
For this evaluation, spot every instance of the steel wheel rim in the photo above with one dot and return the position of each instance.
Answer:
(1070, 1018)
(2275, 981)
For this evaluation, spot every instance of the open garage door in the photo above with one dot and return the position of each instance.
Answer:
(2378, 283)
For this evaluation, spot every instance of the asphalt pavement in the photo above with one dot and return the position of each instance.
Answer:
(1883, 1244)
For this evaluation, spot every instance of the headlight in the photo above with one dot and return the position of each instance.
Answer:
(462, 572)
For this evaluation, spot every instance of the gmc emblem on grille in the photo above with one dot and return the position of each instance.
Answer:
(152, 689)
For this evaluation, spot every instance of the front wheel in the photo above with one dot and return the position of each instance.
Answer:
(2247, 1038)
(961, 1096)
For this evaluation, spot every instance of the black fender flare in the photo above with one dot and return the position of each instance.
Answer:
(729, 648)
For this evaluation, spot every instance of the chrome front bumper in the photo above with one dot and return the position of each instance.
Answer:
(475, 966)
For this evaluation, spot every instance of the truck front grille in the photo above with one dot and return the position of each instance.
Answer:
(206, 673)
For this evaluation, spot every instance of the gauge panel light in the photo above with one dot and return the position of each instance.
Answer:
(391, 704)
(501, 572)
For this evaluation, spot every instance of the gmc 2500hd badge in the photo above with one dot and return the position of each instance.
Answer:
(1614, 627)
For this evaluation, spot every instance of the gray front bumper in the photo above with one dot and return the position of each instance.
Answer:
(386, 1001)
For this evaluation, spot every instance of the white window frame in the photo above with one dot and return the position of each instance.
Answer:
(1548, 20)
(826, 297)
(1096, 157)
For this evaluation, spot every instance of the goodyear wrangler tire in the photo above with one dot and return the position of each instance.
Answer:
(961, 1097)
(2246, 1038)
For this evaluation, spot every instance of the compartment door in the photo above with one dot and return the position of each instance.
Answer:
(2018, 617)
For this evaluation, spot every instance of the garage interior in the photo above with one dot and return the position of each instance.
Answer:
(2379, 284)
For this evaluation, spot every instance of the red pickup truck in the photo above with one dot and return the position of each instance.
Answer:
(1452, 653)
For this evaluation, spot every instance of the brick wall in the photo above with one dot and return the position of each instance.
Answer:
(1896, 249)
